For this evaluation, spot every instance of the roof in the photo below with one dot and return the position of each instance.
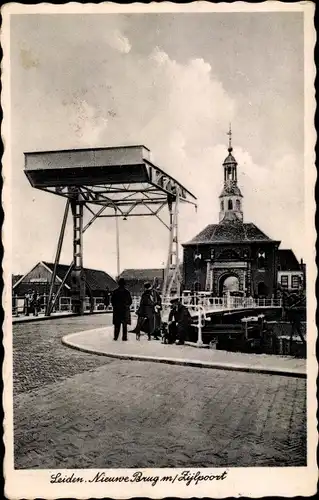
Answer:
(16, 278)
(229, 232)
(287, 261)
(96, 279)
(142, 274)
(230, 160)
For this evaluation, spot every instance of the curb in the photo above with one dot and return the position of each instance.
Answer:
(188, 362)
(15, 321)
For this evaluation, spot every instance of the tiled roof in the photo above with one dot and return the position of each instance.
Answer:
(287, 261)
(229, 232)
(142, 274)
(96, 280)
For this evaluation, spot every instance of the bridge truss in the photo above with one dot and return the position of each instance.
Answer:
(107, 182)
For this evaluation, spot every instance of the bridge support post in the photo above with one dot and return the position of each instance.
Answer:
(77, 275)
(172, 278)
(199, 338)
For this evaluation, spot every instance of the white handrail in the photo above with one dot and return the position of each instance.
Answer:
(203, 301)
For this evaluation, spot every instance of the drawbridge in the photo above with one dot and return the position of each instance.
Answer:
(107, 182)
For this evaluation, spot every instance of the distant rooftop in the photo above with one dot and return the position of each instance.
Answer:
(287, 261)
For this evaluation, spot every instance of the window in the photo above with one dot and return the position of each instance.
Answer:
(295, 281)
(284, 280)
(237, 204)
(222, 206)
(230, 205)
(197, 259)
(261, 259)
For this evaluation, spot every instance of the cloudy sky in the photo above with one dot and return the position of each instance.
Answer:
(172, 82)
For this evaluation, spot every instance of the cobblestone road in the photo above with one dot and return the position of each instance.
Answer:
(39, 358)
(83, 411)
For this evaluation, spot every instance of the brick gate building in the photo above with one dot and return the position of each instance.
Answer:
(232, 254)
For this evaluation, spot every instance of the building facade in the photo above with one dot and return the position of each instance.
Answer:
(291, 274)
(136, 278)
(234, 255)
(39, 279)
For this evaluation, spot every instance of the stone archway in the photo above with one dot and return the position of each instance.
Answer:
(229, 282)
(262, 290)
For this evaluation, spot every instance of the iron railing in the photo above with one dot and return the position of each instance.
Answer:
(204, 300)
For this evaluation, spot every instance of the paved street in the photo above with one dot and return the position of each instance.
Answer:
(77, 410)
(39, 358)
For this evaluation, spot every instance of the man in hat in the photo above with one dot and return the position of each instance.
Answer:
(179, 321)
(121, 301)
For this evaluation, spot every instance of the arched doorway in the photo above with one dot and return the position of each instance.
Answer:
(228, 283)
(262, 290)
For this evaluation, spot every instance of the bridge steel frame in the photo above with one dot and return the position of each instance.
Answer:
(107, 182)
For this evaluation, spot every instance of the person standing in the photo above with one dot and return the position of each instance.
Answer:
(121, 301)
(34, 302)
(146, 313)
(26, 307)
(54, 302)
(179, 321)
(91, 297)
(106, 298)
(157, 309)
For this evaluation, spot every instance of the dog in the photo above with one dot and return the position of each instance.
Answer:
(168, 333)
(164, 333)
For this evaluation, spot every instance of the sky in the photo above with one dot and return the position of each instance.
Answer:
(173, 82)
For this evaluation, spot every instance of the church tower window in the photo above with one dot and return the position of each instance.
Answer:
(237, 204)
(222, 205)
(230, 205)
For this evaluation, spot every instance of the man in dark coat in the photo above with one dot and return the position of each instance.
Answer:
(179, 321)
(121, 301)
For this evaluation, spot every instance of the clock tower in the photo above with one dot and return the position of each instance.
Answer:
(230, 197)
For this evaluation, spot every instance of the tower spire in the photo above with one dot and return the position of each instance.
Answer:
(231, 197)
(229, 133)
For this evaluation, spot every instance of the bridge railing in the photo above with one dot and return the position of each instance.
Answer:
(205, 300)
(209, 302)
